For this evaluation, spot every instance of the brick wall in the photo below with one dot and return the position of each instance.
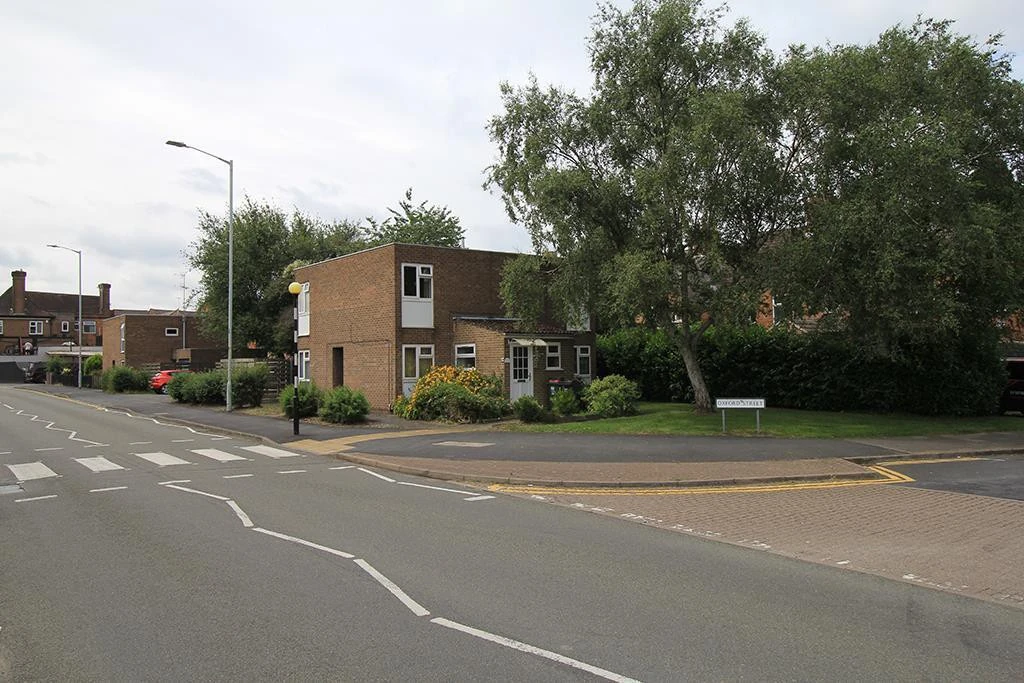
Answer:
(146, 342)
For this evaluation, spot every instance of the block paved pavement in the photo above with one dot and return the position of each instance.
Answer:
(960, 543)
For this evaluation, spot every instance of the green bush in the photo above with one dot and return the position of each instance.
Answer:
(527, 409)
(248, 383)
(342, 404)
(181, 387)
(453, 402)
(309, 400)
(206, 388)
(58, 365)
(93, 364)
(400, 406)
(122, 378)
(565, 402)
(611, 396)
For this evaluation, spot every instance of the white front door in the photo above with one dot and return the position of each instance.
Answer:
(521, 372)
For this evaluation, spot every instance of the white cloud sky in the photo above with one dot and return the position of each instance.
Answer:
(334, 107)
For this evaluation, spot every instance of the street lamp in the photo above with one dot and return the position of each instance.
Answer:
(231, 249)
(296, 289)
(80, 325)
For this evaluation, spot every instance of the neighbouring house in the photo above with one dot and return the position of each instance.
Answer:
(379, 319)
(48, 319)
(165, 338)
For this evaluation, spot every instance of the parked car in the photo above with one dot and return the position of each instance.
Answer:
(159, 381)
(1013, 394)
(36, 374)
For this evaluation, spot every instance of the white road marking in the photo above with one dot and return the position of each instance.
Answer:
(379, 476)
(174, 481)
(201, 493)
(162, 459)
(111, 488)
(6, 452)
(530, 649)
(98, 464)
(140, 443)
(31, 470)
(290, 471)
(182, 440)
(246, 522)
(343, 467)
(221, 456)
(465, 444)
(310, 544)
(413, 606)
(433, 488)
(270, 452)
(475, 498)
(40, 450)
(29, 500)
(238, 476)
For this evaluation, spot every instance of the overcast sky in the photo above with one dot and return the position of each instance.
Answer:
(333, 107)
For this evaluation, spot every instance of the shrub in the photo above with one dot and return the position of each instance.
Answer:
(611, 396)
(93, 364)
(565, 402)
(478, 397)
(527, 409)
(454, 402)
(205, 388)
(58, 365)
(248, 383)
(400, 406)
(342, 404)
(180, 387)
(309, 400)
(122, 378)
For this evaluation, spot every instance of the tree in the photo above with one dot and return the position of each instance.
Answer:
(913, 168)
(652, 198)
(417, 224)
(268, 246)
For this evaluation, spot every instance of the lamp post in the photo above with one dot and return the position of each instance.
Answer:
(231, 249)
(295, 288)
(80, 325)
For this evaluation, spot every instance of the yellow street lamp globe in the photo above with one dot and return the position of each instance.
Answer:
(294, 288)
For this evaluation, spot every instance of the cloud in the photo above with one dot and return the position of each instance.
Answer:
(37, 158)
(202, 180)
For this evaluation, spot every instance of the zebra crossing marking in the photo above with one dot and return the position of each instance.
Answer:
(270, 451)
(98, 464)
(162, 459)
(218, 455)
(28, 471)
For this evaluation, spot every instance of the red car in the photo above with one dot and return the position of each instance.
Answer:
(159, 381)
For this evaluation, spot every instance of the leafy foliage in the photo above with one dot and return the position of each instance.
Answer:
(93, 364)
(528, 409)
(248, 384)
(447, 392)
(200, 388)
(611, 396)
(417, 224)
(121, 378)
(309, 396)
(58, 365)
(342, 404)
(565, 402)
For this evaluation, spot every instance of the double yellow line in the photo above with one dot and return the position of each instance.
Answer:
(886, 475)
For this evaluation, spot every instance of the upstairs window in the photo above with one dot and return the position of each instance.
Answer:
(89, 327)
(35, 327)
(170, 331)
(303, 306)
(417, 281)
(65, 326)
(122, 336)
(1, 326)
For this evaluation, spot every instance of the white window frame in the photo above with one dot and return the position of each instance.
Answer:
(122, 336)
(424, 273)
(557, 356)
(36, 325)
(1, 326)
(171, 331)
(65, 326)
(461, 353)
(88, 327)
(303, 306)
(578, 353)
(304, 366)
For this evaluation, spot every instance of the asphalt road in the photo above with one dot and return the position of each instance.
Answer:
(230, 562)
(998, 476)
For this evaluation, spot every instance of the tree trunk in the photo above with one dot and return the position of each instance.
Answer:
(701, 397)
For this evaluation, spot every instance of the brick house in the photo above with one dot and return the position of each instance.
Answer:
(378, 319)
(48, 318)
(164, 338)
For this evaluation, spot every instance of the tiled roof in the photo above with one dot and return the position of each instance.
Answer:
(513, 326)
(47, 304)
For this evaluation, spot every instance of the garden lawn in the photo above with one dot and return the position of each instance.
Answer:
(679, 419)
